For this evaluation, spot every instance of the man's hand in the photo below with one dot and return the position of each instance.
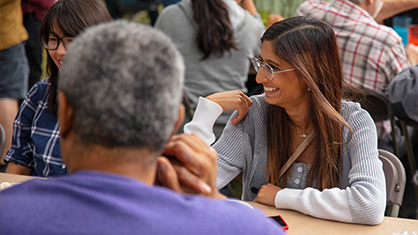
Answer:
(188, 166)
(411, 52)
(267, 194)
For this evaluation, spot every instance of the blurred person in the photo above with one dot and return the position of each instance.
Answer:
(35, 146)
(372, 54)
(217, 39)
(14, 68)
(288, 8)
(119, 96)
(300, 145)
(33, 13)
(119, 8)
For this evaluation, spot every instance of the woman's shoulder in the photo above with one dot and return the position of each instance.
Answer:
(258, 102)
(175, 9)
(41, 85)
(350, 109)
(39, 91)
(258, 109)
(175, 17)
(356, 117)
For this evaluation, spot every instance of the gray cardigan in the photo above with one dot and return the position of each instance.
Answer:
(361, 195)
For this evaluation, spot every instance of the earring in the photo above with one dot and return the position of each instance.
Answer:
(309, 89)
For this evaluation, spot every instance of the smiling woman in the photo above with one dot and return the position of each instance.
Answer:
(299, 145)
(36, 144)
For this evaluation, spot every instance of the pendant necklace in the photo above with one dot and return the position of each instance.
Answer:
(302, 135)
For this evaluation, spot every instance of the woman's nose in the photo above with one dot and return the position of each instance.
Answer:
(61, 50)
(261, 76)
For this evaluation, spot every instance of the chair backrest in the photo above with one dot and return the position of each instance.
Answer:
(377, 104)
(395, 181)
(2, 139)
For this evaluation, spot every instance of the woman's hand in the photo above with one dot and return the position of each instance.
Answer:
(230, 100)
(267, 194)
(190, 167)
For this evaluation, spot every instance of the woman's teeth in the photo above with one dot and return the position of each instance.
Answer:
(270, 88)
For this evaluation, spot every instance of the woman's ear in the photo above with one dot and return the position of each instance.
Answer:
(65, 115)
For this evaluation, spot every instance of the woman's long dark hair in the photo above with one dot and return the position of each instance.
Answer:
(214, 32)
(69, 17)
(310, 46)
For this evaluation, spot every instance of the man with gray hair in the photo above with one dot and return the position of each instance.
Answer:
(372, 54)
(120, 91)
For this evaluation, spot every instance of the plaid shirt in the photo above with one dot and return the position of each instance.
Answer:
(372, 54)
(36, 142)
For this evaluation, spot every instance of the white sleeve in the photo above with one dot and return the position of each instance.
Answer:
(204, 119)
(328, 204)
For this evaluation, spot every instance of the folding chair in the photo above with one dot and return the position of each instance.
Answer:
(395, 182)
(378, 105)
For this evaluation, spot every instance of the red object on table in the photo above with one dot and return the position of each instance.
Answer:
(413, 34)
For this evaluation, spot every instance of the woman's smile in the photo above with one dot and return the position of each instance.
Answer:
(270, 89)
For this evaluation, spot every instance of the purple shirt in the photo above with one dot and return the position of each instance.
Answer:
(98, 203)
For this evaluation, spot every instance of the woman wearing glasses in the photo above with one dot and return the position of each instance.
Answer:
(299, 145)
(36, 146)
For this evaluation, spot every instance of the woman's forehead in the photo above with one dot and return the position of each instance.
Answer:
(268, 53)
(55, 29)
(58, 30)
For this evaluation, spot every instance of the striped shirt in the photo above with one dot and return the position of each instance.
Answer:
(361, 195)
(36, 142)
(372, 54)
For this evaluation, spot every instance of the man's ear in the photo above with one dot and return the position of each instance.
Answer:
(65, 115)
(180, 119)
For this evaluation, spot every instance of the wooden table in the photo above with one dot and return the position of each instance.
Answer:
(304, 224)
(12, 178)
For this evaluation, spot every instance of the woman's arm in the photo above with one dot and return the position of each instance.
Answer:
(233, 145)
(364, 199)
(248, 5)
(20, 156)
(13, 168)
(210, 108)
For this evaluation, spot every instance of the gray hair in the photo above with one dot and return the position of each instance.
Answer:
(124, 82)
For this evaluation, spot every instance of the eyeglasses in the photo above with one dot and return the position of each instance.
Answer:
(51, 42)
(268, 70)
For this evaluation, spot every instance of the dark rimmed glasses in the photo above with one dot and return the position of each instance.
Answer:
(268, 70)
(51, 42)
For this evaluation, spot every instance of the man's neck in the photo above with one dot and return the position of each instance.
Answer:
(134, 163)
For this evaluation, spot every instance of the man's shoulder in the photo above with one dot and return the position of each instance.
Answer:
(153, 209)
(233, 217)
(313, 8)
